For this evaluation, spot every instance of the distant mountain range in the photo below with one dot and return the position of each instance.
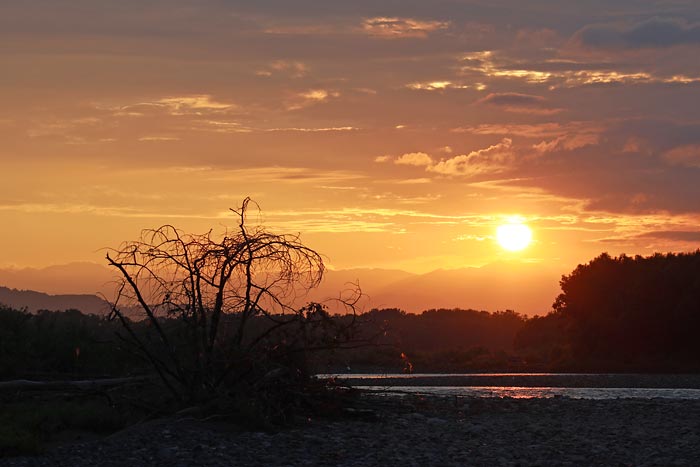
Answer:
(34, 301)
(71, 278)
(526, 288)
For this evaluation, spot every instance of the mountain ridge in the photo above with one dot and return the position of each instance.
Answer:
(524, 287)
(34, 301)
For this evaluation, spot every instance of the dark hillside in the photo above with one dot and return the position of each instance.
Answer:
(34, 301)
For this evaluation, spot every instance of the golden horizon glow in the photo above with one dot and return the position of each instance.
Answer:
(514, 236)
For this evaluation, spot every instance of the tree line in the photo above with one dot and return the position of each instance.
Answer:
(619, 313)
(213, 317)
(622, 313)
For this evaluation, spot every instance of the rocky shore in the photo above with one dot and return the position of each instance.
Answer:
(417, 431)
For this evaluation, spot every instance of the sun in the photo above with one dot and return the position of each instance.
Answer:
(514, 236)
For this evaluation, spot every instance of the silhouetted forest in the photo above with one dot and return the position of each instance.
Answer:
(613, 314)
(623, 313)
(61, 342)
(441, 340)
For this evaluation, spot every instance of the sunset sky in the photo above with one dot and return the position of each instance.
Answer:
(390, 134)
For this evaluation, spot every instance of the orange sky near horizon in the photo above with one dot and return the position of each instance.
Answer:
(388, 135)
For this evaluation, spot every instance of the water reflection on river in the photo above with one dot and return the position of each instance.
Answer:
(529, 393)
(532, 385)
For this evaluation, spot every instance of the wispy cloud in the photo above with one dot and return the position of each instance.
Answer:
(566, 73)
(292, 68)
(655, 240)
(537, 130)
(155, 138)
(568, 142)
(280, 174)
(360, 219)
(443, 85)
(593, 77)
(222, 126)
(388, 213)
(194, 103)
(313, 129)
(98, 210)
(399, 28)
(413, 181)
(675, 235)
(488, 64)
(310, 97)
(197, 104)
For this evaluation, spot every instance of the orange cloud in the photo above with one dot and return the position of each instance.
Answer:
(568, 142)
(399, 28)
(418, 159)
(196, 104)
(538, 130)
(292, 68)
(440, 86)
(157, 138)
(558, 73)
(310, 97)
(192, 104)
(493, 159)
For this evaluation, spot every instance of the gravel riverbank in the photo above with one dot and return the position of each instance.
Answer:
(418, 431)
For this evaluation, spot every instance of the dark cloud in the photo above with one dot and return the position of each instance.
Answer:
(660, 136)
(517, 102)
(560, 66)
(506, 99)
(653, 33)
(620, 188)
(617, 166)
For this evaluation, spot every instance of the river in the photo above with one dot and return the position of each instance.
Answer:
(531, 385)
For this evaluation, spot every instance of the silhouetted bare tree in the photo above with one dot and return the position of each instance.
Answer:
(222, 311)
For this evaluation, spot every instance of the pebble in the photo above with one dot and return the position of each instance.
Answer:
(493, 432)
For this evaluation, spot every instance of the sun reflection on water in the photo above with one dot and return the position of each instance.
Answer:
(518, 392)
